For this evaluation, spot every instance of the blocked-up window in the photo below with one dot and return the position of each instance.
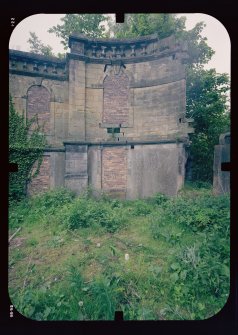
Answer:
(38, 102)
(115, 99)
(114, 167)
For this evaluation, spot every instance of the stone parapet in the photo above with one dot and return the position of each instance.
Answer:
(128, 50)
(26, 63)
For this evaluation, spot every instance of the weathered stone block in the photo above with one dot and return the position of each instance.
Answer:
(221, 179)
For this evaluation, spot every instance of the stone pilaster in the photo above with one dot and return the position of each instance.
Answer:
(221, 179)
(76, 167)
(76, 123)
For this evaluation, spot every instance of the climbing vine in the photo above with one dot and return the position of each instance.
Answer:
(26, 146)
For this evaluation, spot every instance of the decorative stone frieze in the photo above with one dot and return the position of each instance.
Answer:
(139, 49)
(24, 63)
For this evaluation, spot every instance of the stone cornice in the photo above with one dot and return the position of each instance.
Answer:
(111, 41)
(34, 65)
(182, 139)
(29, 56)
(99, 51)
(126, 60)
(38, 74)
(129, 50)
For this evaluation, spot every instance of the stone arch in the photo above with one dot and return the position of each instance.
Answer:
(38, 103)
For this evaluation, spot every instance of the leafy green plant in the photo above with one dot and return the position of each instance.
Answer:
(52, 200)
(198, 214)
(88, 212)
(141, 207)
(159, 199)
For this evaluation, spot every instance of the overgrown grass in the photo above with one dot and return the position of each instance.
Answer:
(68, 261)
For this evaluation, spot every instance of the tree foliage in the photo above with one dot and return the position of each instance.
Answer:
(146, 24)
(91, 25)
(26, 145)
(37, 47)
(207, 104)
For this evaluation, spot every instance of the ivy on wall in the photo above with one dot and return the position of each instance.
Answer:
(26, 146)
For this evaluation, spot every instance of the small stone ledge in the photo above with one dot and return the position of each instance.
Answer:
(62, 149)
(29, 56)
(76, 176)
(82, 38)
(126, 60)
(129, 142)
(38, 74)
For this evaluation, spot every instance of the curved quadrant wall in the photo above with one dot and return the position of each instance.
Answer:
(114, 112)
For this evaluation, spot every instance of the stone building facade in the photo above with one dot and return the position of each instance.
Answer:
(113, 113)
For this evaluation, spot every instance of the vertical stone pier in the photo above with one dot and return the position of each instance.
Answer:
(221, 179)
(76, 167)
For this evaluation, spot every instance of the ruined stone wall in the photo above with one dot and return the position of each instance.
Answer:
(113, 111)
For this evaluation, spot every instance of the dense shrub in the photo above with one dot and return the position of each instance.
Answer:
(52, 200)
(87, 212)
(200, 213)
(141, 208)
(159, 199)
(40, 207)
